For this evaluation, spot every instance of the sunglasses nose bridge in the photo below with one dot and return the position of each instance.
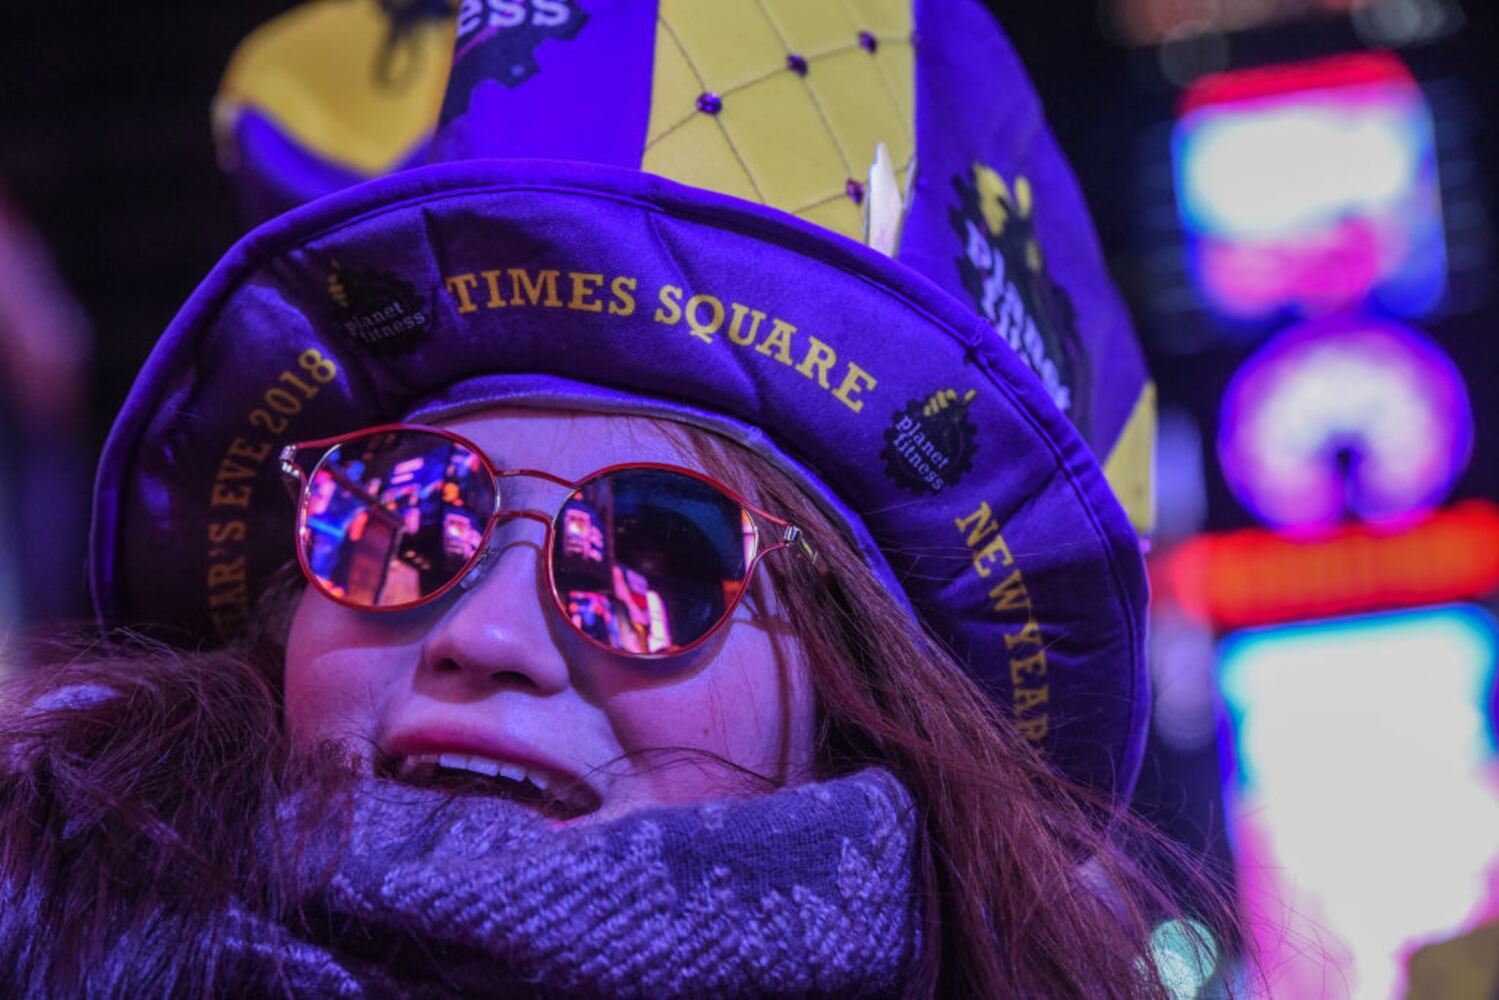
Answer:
(529, 513)
(476, 571)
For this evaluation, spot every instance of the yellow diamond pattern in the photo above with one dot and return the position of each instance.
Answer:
(785, 140)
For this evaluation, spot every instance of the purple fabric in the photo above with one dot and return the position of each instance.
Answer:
(975, 104)
(274, 173)
(954, 404)
(807, 891)
(563, 79)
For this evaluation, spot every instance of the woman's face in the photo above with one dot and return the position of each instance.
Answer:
(492, 675)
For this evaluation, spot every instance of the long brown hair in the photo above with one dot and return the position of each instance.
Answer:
(135, 778)
(1034, 886)
(133, 781)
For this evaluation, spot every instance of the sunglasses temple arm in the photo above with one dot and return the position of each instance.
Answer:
(797, 538)
(292, 476)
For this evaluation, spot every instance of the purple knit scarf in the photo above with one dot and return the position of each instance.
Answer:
(809, 890)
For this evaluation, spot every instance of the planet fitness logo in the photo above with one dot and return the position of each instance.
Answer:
(931, 442)
(1002, 268)
(497, 40)
(377, 309)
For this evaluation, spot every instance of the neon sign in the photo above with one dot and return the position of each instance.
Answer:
(1307, 188)
(1363, 797)
(1259, 577)
(1346, 416)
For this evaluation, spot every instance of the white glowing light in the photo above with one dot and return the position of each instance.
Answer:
(1362, 747)
(1290, 169)
(1309, 187)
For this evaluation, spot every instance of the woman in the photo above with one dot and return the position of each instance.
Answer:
(688, 600)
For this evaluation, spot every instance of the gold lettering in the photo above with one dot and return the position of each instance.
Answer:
(520, 280)
(1030, 635)
(704, 331)
(1030, 667)
(222, 573)
(670, 312)
(821, 357)
(986, 525)
(1028, 698)
(226, 531)
(460, 285)
(496, 297)
(1011, 593)
(779, 340)
(227, 623)
(735, 325)
(1033, 730)
(997, 547)
(624, 302)
(237, 597)
(854, 382)
(240, 448)
(230, 469)
(230, 496)
(584, 286)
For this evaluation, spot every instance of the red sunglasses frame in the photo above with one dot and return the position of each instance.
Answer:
(299, 480)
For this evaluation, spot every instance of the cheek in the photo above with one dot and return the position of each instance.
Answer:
(748, 705)
(336, 679)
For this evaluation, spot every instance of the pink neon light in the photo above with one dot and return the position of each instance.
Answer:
(1321, 271)
(1354, 70)
(1380, 396)
(1297, 945)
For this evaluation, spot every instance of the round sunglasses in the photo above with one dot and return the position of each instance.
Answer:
(642, 559)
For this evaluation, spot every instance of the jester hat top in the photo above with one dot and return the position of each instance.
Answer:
(839, 233)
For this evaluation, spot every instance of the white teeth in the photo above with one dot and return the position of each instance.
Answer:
(479, 765)
(458, 761)
(568, 795)
(483, 766)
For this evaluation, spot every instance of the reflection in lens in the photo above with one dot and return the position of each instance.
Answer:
(648, 560)
(395, 516)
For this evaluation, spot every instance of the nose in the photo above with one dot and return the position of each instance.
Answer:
(498, 633)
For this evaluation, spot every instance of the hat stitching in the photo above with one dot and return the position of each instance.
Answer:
(711, 101)
(804, 61)
(719, 96)
(811, 91)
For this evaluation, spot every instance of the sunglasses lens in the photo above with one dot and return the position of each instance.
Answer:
(394, 516)
(649, 560)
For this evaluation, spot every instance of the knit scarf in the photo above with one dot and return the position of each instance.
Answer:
(809, 890)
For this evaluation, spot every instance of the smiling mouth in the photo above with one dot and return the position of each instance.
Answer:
(555, 797)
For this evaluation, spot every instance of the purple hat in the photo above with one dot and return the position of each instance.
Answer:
(840, 234)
